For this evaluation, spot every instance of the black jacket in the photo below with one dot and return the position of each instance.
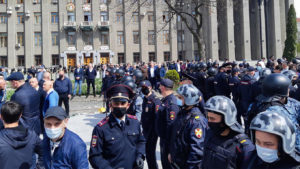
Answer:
(90, 75)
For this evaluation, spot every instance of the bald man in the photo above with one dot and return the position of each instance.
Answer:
(35, 84)
(52, 97)
(46, 76)
(2, 92)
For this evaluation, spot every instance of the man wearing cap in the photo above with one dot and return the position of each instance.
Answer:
(221, 80)
(27, 97)
(165, 117)
(234, 82)
(150, 108)
(62, 148)
(117, 140)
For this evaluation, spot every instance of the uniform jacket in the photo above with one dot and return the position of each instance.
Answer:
(112, 147)
(17, 147)
(70, 154)
(29, 98)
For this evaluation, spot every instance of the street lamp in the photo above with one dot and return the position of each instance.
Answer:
(260, 28)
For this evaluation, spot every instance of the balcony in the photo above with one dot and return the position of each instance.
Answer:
(103, 25)
(86, 26)
(70, 26)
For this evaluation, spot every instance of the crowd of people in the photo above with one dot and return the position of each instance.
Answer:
(221, 116)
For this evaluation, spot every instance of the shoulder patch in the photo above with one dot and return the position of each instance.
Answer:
(243, 141)
(94, 141)
(156, 108)
(131, 116)
(172, 115)
(197, 117)
(104, 121)
(198, 132)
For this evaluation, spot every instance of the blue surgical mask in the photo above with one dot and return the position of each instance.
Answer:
(179, 102)
(259, 68)
(54, 133)
(266, 154)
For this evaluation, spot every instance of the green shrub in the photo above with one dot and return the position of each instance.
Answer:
(9, 93)
(98, 85)
(173, 75)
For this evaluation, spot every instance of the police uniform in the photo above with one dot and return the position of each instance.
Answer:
(165, 117)
(221, 84)
(116, 143)
(150, 107)
(187, 138)
(234, 82)
(209, 87)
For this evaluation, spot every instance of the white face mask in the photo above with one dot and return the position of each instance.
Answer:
(266, 154)
(54, 133)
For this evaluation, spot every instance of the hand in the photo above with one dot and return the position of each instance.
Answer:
(169, 158)
(139, 163)
(69, 96)
(77, 78)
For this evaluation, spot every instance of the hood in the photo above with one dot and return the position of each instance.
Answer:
(16, 137)
(247, 78)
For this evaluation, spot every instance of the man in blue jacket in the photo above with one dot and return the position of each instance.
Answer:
(29, 99)
(62, 148)
(90, 79)
(52, 98)
(78, 76)
(17, 144)
(63, 86)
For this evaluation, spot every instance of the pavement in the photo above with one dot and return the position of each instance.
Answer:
(84, 116)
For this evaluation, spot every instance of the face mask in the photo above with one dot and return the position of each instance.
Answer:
(145, 91)
(53, 133)
(179, 102)
(266, 154)
(61, 76)
(119, 112)
(258, 68)
(228, 71)
(217, 128)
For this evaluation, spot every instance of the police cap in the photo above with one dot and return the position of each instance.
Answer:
(167, 83)
(120, 93)
(145, 83)
(15, 76)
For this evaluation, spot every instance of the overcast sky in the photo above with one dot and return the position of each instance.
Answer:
(297, 6)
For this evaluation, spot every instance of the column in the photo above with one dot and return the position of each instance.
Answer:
(46, 34)
(210, 32)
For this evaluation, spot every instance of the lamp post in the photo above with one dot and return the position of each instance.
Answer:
(260, 29)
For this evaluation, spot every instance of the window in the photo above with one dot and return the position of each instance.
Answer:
(55, 38)
(38, 1)
(196, 55)
(37, 18)
(54, 17)
(135, 16)
(20, 16)
(136, 57)
(119, 1)
(21, 60)
(71, 38)
(120, 37)
(103, 1)
(136, 37)
(71, 16)
(119, 17)
(19, 1)
(150, 16)
(181, 55)
(20, 38)
(55, 60)
(166, 16)
(152, 57)
(3, 18)
(87, 1)
(37, 39)
(121, 58)
(151, 37)
(180, 35)
(104, 38)
(178, 18)
(87, 38)
(166, 37)
(167, 56)
(3, 61)
(2, 1)
(3, 40)
(87, 16)
(71, 1)
(103, 17)
(38, 59)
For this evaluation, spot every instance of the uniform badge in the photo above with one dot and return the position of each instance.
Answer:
(172, 115)
(198, 132)
(157, 108)
(94, 141)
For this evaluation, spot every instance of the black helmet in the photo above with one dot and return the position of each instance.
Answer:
(279, 61)
(127, 78)
(275, 84)
(120, 72)
(265, 72)
(295, 61)
(202, 66)
(212, 71)
(138, 76)
(131, 84)
(113, 70)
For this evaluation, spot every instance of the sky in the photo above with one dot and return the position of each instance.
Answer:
(297, 6)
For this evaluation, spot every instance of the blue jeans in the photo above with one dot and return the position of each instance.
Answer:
(75, 87)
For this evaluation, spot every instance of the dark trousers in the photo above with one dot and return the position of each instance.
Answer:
(153, 82)
(89, 82)
(64, 98)
(151, 150)
(164, 155)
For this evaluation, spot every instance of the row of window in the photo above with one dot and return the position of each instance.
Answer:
(87, 38)
(137, 57)
(38, 60)
(39, 1)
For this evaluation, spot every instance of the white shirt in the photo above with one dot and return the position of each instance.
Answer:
(152, 72)
(178, 67)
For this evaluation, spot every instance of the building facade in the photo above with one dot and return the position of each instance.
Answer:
(70, 32)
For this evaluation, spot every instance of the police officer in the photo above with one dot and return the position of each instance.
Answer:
(226, 146)
(234, 82)
(292, 88)
(165, 117)
(136, 102)
(274, 136)
(221, 80)
(188, 130)
(150, 107)
(209, 83)
(256, 88)
(117, 140)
